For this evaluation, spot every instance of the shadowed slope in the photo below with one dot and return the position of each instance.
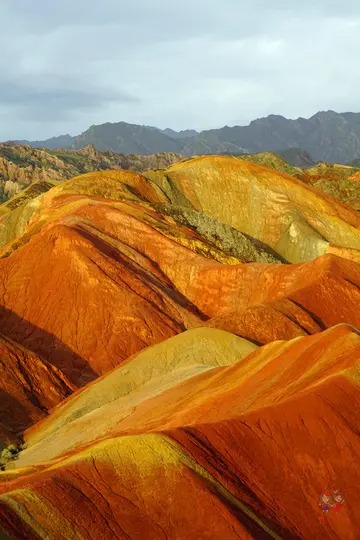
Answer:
(14, 418)
(29, 384)
(87, 280)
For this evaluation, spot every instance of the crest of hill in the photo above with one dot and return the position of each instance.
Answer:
(272, 161)
(289, 228)
(272, 400)
(145, 375)
(296, 221)
(126, 186)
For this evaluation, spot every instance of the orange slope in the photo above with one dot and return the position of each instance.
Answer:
(264, 437)
(93, 300)
(111, 283)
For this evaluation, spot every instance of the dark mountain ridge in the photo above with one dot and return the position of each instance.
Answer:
(327, 136)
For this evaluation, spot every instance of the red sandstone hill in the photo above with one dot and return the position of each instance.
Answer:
(253, 442)
(111, 283)
(146, 298)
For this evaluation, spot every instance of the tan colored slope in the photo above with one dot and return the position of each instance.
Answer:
(295, 220)
(96, 410)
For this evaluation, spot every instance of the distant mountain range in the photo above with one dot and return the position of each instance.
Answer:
(326, 136)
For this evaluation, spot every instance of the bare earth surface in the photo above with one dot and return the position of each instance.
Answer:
(180, 353)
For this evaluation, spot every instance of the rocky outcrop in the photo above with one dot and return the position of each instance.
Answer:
(24, 165)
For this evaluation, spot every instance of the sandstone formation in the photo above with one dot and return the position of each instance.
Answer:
(244, 439)
(23, 165)
(296, 221)
(179, 351)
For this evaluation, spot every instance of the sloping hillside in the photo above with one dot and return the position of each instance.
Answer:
(179, 351)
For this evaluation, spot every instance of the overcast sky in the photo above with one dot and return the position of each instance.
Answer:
(173, 63)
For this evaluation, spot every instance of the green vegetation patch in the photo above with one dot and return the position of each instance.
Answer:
(272, 161)
(224, 237)
(71, 158)
(10, 453)
(345, 190)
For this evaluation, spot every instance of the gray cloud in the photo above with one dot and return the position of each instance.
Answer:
(50, 98)
(203, 64)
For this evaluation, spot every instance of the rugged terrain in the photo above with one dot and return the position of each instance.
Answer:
(25, 172)
(326, 136)
(23, 165)
(179, 351)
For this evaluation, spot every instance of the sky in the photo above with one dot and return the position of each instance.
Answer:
(182, 64)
